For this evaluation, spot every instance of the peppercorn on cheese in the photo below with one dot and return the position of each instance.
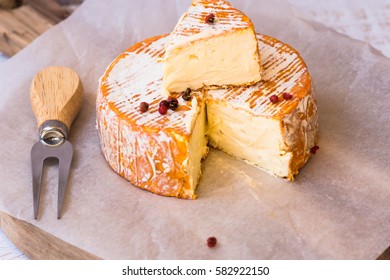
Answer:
(163, 153)
(213, 44)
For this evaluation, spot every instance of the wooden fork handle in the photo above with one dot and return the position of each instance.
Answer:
(56, 94)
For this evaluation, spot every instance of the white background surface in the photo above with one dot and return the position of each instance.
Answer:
(368, 21)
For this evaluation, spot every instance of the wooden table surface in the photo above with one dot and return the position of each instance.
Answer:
(20, 26)
(368, 21)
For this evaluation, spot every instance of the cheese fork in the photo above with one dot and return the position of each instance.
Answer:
(56, 98)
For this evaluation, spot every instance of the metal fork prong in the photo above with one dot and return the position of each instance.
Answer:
(37, 168)
(65, 161)
(39, 153)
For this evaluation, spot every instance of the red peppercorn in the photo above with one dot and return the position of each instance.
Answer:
(164, 103)
(143, 107)
(173, 103)
(211, 241)
(314, 149)
(287, 96)
(163, 110)
(274, 99)
(210, 19)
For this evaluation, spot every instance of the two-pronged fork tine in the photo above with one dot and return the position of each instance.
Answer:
(64, 167)
(39, 153)
(37, 168)
(56, 98)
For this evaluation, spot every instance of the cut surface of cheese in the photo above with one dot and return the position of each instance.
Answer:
(163, 153)
(275, 137)
(222, 53)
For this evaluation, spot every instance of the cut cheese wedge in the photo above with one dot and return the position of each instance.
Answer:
(163, 153)
(221, 53)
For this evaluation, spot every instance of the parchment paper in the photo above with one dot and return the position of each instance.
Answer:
(337, 208)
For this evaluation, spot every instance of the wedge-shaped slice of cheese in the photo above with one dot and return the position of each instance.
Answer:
(213, 44)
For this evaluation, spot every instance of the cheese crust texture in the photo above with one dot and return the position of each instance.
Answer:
(200, 54)
(163, 153)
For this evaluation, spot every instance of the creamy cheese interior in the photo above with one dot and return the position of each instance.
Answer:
(256, 140)
(198, 148)
(228, 59)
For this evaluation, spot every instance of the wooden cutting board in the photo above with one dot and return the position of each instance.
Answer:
(38, 244)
